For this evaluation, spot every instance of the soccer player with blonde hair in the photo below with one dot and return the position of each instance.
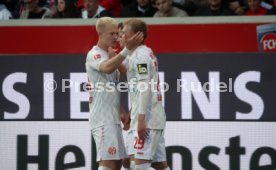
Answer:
(104, 104)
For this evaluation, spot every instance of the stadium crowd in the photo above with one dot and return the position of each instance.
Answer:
(29, 9)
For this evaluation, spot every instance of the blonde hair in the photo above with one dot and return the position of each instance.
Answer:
(137, 25)
(103, 22)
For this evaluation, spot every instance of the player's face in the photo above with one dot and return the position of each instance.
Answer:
(110, 35)
(120, 38)
(127, 32)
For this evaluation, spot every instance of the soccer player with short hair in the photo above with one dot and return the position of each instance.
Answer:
(104, 106)
(148, 117)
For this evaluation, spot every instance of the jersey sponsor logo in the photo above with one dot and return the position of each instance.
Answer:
(112, 150)
(97, 56)
(142, 68)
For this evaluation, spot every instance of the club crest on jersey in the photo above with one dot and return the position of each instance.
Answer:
(112, 150)
(142, 68)
(97, 56)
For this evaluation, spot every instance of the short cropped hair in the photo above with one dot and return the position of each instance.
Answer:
(121, 25)
(102, 22)
(137, 25)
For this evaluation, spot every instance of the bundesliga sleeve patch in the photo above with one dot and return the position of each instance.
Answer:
(142, 68)
(97, 56)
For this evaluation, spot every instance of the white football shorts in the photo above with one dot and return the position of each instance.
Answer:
(153, 148)
(109, 142)
(129, 142)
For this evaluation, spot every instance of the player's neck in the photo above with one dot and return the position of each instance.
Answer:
(102, 46)
(131, 51)
(135, 48)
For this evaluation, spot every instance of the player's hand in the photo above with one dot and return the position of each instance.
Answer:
(125, 119)
(126, 126)
(134, 41)
(111, 52)
(143, 132)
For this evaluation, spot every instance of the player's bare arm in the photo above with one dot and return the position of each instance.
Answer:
(122, 69)
(142, 127)
(125, 118)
